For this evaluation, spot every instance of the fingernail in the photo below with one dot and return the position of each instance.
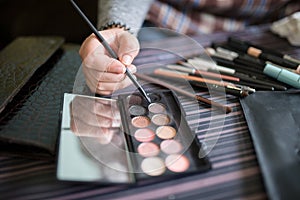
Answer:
(126, 59)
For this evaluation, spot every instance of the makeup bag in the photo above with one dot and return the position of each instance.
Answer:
(274, 122)
(35, 72)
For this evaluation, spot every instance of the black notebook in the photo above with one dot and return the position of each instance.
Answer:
(274, 122)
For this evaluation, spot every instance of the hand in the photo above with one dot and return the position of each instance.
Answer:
(94, 117)
(104, 74)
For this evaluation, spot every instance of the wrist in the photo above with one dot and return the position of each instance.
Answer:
(114, 25)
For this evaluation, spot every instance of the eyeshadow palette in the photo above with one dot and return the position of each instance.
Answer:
(126, 140)
(159, 140)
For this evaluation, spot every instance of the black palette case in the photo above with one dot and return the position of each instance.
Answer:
(153, 141)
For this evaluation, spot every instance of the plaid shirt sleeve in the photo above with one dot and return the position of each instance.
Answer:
(206, 16)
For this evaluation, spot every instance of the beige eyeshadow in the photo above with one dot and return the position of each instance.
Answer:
(165, 132)
(156, 108)
(170, 146)
(160, 119)
(148, 149)
(144, 135)
(140, 121)
(177, 163)
(153, 166)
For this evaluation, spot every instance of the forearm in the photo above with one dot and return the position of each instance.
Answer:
(130, 13)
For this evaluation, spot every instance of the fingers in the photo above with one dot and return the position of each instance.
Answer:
(103, 63)
(105, 83)
(104, 74)
(128, 48)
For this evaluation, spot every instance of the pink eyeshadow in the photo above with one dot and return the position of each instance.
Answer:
(148, 149)
(144, 135)
(177, 163)
(170, 146)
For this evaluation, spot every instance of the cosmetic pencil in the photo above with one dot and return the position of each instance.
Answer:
(110, 50)
(258, 53)
(257, 86)
(282, 75)
(202, 72)
(226, 109)
(204, 64)
(238, 92)
(181, 75)
(237, 67)
(241, 84)
(240, 58)
(266, 50)
(247, 80)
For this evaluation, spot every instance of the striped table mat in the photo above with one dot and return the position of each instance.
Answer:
(235, 172)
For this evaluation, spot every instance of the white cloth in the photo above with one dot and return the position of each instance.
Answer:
(288, 27)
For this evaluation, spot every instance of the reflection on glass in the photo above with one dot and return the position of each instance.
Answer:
(94, 117)
(95, 125)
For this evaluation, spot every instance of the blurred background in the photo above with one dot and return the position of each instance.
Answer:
(46, 17)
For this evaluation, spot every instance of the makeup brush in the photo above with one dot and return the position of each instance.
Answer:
(110, 51)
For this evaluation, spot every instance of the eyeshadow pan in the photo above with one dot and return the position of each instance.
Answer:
(134, 99)
(153, 166)
(165, 132)
(156, 108)
(154, 97)
(144, 135)
(161, 119)
(136, 110)
(140, 121)
(177, 163)
(148, 149)
(170, 146)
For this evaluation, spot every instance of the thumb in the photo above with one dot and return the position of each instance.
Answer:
(128, 48)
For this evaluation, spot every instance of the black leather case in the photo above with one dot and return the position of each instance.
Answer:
(29, 123)
(274, 122)
(20, 60)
